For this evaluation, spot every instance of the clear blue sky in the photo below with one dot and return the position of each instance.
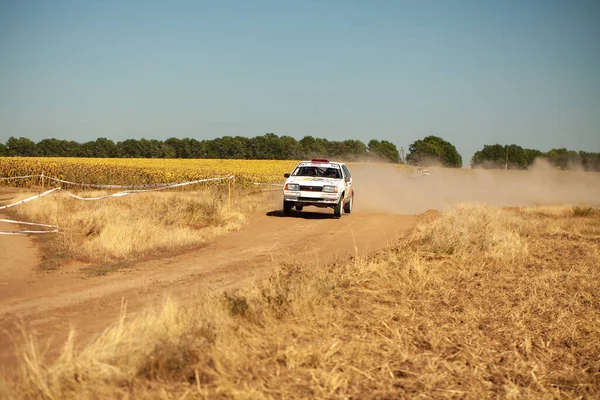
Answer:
(473, 72)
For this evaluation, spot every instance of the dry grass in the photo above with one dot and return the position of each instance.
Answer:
(476, 303)
(135, 226)
(474, 231)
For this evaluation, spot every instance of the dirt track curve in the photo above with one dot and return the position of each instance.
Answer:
(50, 303)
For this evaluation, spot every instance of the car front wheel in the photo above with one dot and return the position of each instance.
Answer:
(287, 207)
(338, 210)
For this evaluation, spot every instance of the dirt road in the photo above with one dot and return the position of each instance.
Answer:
(52, 302)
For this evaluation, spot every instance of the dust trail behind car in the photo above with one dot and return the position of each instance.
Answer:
(382, 188)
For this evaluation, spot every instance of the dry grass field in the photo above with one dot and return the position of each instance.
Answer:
(477, 302)
(142, 225)
(492, 293)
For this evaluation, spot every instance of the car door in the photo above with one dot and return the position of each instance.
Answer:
(348, 181)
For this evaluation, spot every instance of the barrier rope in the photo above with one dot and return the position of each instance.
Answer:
(54, 228)
(47, 192)
(19, 177)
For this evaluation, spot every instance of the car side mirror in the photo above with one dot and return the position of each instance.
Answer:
(347, 179)
(286, 175)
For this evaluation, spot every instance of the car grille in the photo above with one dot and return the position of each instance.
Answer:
(312, 199)
(311, 188)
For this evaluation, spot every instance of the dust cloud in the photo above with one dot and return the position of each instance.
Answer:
(381, 188)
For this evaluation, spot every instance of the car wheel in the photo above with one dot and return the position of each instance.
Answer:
(349, 204)
(338, 210)
(287, 207)
(299, 208)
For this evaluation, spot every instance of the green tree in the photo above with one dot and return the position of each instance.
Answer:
(336, 149)
(156, 149)
(383, 150)
(162, 150)
(105, 148)
(432, 150)
(563, 158)
(213, 148)
(197, 148)
(497, 156)
(589, 161)
(265, 147)
(142, 148)
(181, 148)
(51, 148)
(20, 147)
(71, 148)
(288, 148)
(3, 150)
(146, 148)
(355, 149)
(88, 149)
(129, 148)
(232, 147)
(312, 148)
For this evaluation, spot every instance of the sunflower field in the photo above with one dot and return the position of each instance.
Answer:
(137, 171)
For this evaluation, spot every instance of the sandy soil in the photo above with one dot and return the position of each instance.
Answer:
(52, 302)
(18, 258)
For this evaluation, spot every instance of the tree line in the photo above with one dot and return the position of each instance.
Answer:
(266, 147)
(433, 150)
(516, 157)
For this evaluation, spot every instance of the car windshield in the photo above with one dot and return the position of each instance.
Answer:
(322, 172)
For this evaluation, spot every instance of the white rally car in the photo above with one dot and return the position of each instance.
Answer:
(320, 183)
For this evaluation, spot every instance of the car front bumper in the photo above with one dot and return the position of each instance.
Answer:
(311, 198)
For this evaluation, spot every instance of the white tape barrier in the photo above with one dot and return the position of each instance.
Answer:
(128, 192)
(100, 186)
(120, 194)
(53, 228)
(268, 184)
(24, 232)
(18, 177)
(37, 196)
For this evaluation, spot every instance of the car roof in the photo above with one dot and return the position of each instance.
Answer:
(321, 161)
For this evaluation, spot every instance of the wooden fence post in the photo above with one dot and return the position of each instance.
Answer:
(229, 193)
(58, 208)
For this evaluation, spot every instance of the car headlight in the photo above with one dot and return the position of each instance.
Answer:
(292, 186)
(330, 189)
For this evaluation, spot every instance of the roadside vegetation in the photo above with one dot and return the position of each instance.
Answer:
(477, 302)
(135, 226)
